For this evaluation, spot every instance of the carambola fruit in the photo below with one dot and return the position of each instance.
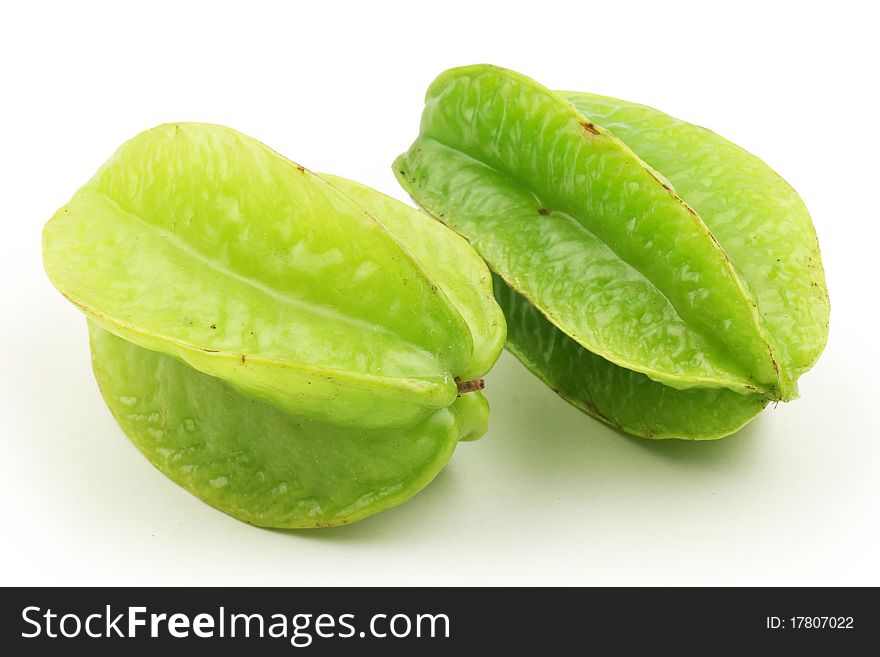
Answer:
(297, 350)
(655, 275)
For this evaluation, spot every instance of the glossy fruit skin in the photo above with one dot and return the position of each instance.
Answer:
(690, 276)
(760, 220)
(624, 399)
(267, 341)
(255, 461)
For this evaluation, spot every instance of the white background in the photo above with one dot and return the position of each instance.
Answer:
(549, 496)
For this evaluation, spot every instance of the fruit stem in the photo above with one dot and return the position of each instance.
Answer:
(465, 387)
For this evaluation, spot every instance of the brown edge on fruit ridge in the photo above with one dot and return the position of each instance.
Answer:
(589, 127)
